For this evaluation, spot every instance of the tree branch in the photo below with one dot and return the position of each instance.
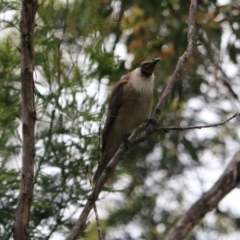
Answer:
(81, 223)
(209, 200)
(21, 222)
(196, 127)
(180, 64)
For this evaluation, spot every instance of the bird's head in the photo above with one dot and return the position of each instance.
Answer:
(147, 67)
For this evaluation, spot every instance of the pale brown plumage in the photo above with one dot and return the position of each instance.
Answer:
(130, 105)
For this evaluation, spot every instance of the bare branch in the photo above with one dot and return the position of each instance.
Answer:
(70, 26)
(196, 127)
(21, 222)
(180, 64)
(10, 23)
(209, 200)
(81, 223)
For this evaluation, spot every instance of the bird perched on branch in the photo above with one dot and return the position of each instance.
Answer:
(130, 105)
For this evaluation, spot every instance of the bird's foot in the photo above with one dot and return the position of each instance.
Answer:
(152, 121)
(90, 197)
(127, 143)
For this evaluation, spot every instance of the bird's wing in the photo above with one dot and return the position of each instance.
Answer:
(115, 104)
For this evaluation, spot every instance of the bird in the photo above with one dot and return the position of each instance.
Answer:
(130, 105)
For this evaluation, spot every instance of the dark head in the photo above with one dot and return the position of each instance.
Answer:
(147, 68)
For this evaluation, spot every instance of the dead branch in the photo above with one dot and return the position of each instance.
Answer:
(21, 222)
(208, 201)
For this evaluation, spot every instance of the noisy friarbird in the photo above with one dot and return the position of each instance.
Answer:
(130, 105)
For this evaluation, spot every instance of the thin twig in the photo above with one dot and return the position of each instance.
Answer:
(98, 223)
(10, 23)
(72, 119)
(70, 26)
(95, 207)
(198, 126)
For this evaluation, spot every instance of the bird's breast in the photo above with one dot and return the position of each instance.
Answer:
(136, 108)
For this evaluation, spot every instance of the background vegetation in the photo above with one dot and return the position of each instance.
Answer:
(81, 49)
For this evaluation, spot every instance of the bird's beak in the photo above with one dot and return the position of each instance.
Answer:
(156, 60)
(148, 67)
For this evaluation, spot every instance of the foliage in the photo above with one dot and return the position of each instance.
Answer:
(79, 49)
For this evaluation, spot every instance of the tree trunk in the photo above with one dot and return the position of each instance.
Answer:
(21, 222)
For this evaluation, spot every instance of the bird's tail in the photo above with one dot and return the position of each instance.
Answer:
(110, 179)
(105, 158)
